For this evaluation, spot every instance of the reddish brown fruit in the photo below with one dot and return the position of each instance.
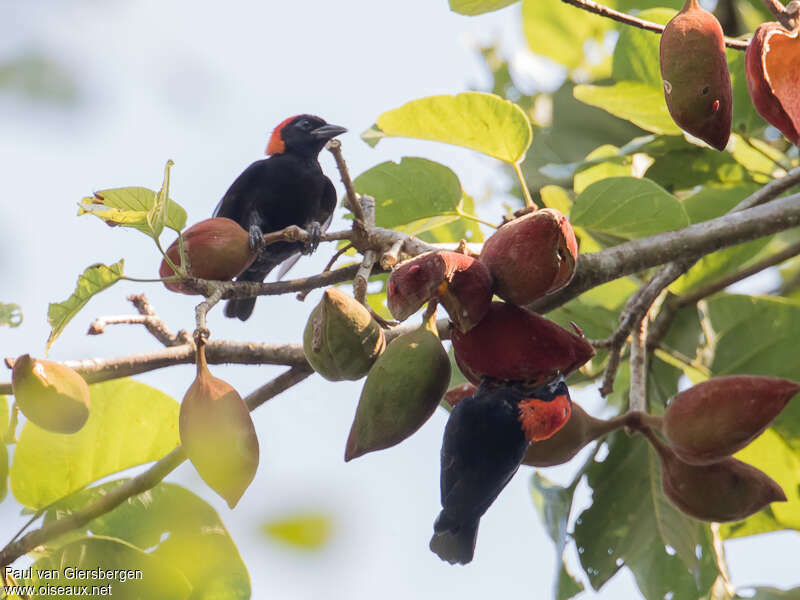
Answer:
(218, 249)
(728, 490)
(772, 66)
(697, 83)
(514, 344)
(531, 256)
(456, 394)
(217, 434)
(721, 416)
(462, 284)
(581, 429)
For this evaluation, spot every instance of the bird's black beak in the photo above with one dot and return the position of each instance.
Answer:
(327, 132)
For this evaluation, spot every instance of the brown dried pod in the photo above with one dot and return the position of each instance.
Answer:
(341, 339)
(718, 417)
(217, 433)
(460, 282)
(727, 490)
(217, 249)
(402, 390)
(514, 344)
(697, 83)
(580, 430)
(772, 66)
(50, 395)
(531, 256)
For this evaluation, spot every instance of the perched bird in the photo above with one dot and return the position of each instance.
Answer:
(484, 442)
(287, 188)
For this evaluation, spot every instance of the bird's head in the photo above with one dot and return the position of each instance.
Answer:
(545, 410)
(304, 135)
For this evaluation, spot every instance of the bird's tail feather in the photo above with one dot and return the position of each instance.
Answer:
(242, 308)
(454, 542)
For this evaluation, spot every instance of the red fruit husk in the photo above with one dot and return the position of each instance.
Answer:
(727, 490)
(456, 394)
(719, 417)
(697, 83)
(772, 69)
(531, 256)
(217, 434)
(218, 249)
(461, 283)
(515, 344)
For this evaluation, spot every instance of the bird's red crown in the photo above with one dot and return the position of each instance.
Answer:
(276, 144)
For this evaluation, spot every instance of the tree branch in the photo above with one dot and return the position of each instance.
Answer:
(610, 13)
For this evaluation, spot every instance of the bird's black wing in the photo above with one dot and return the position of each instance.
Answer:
(233, 204)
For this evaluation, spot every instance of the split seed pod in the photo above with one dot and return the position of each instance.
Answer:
(515, 344)
(772, 66)
(531, 256)
(697, 83)
(217, 249)
(719, 417)
(218, 434)
(461, 283)
(341, 339)
(50, 395)
(402, 390)
(728, 490)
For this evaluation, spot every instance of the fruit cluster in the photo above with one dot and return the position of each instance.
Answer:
(697, 83)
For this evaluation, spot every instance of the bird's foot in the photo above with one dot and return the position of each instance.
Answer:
(256, 238)
(314, 231)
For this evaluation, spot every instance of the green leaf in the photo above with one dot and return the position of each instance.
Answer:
(183, 530)
(414, 188)
(631, 523)
(456, 376)
(554, 503)
(130, 423)
(310, 531)
(145, 576)
(94, 280)
(628, 208)
(483, 122)
(10, 315)
(478, 7)
(558, 31)
(636, 55)
(639, 103)
(746, 119)
(441, 230)
(129, 207)
(3, 471)
(595, 168)
(157, 215)
(690, 166)
(5, 415)
(770, 453)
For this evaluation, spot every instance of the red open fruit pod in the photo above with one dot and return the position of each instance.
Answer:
(772, 65)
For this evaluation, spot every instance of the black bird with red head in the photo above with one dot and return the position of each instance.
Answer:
(287, 188)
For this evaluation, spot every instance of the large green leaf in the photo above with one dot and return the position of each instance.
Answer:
(130, 207)
(177, 527)
(92, 281)
(3, 471)
(746, 119)
(636, 55)
(478, 7)
(483, 122)
(10, 315)
(627, 207)
(441, 230)
(615, 165)
(309, 531)
(770, 453)
(690, 166)
(414, 188)
(639, 103)
(107, 566)
(5, 415)
(554, 503)
(631, 523)
(130, 423)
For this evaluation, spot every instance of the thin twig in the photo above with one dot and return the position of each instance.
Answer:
(370, 256)
(302, 295)
(610, 13)
(392, 255)
(638, 365)
(335, 148)
(156, 326)
(787, 19)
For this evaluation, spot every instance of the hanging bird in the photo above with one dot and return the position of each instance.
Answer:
(287, 188)
(484, 442)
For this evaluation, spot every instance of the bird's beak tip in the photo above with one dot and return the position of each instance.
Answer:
(327, 132)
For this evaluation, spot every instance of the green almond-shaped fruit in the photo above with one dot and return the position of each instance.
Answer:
(50, 395)
(401, 392)
(727, 490)
(341, 340)
(697, 83)
(218, 249)
(719, 417)
(217, 434)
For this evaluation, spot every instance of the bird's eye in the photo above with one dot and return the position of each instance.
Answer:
(305, 124)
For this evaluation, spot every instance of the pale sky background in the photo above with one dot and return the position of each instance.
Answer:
(204, 84)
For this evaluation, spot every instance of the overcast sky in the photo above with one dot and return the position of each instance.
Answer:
(204, 84)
